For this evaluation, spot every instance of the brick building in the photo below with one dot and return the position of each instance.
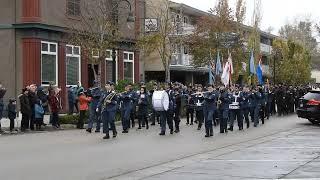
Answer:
(34, 47)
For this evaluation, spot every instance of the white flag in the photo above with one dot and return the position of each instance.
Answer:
(225, 77)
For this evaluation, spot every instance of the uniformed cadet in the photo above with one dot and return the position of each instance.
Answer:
(95, 93)
(108, 106)
(235, 109)
(189, 106)
(177, 108)
(134, 102)
(210, 106)
(245, 105)
(126, 99)
(263, 102)
(223, 103)
(143, 107)
(199, 99)
(256, 105)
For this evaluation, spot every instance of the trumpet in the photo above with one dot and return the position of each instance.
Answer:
(219, 102)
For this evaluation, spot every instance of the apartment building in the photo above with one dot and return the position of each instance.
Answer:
(181, 68)
(34, 47)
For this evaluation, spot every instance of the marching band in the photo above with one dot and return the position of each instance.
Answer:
(213, 106)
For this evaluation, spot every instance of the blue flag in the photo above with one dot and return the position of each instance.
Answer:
(218, 65)
(259, 73)
(251, 64)
(211, 75)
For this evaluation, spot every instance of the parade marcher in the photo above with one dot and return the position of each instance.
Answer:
(199, 99)
(25, 109)
(134, 102)
(270, 98)
(95, 94)
(155, 115)
(189, 105)
(245, 105)
(126, 99)
(108, 105)
(223, 106)
(210, 107)
(166, 117)
(177, 109)
(12, 113)
(71, 99)
(2, 93)
(255, 105)
(263, 103)
(83, 107)
(235, 109)
(143, 108)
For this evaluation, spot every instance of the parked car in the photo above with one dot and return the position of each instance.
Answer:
(309, 107)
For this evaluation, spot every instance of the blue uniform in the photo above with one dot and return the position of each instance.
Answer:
(255, 107)
(245, 107)
(224, 97)
(126, 100)
(235, 110)
(210, 107)
(199, 100)
(108, 112)
(93, 115)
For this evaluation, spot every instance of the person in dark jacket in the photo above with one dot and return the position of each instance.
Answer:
(33, 98)
(12, 113)
(55, 107)
(71, 99)
(2, 93)
(39, 113)
(143, 108)
(25, 109)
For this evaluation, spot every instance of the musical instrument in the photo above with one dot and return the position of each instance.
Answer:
(235, 105)
(108, 99)
(160, 101)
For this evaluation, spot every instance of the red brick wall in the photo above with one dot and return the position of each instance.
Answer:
(31, 57)
(31, 11)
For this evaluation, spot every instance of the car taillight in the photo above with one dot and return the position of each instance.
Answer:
(313, 102)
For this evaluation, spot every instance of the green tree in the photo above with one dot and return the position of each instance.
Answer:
(292, 62)
(219, 31)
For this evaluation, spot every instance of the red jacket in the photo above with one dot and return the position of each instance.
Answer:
(54, 104)
(83, 102)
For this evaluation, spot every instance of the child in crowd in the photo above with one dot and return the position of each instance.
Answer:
(39, 113)
(12, 112)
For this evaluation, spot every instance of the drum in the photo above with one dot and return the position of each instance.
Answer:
(160, 101)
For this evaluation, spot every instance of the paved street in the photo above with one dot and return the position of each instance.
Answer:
(284, 148)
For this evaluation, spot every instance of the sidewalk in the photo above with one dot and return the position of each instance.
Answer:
(5, 122)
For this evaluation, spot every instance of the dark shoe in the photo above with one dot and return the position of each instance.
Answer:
(177, 131)
(139, 127)
(97, 131)
(248, 126)
(89, 130)
(211, 132)
(221, 132)
(114, 134)
(207, 133)
(106, 136)
(162, 134)
(147, 127)
(187, 123)
(199, 128)
(171, 131)
(191, 124)
(126, 131)
(153, 124)
(230, 128)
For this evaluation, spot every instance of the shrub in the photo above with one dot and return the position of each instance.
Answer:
(68, 119)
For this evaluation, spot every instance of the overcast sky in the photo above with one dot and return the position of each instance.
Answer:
(275, 12)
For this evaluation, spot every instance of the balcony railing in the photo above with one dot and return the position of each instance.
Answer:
(183, 29)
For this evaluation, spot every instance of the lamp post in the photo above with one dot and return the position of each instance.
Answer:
(130, 19)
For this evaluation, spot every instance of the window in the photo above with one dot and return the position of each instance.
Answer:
(109, 66)
(186, 50)
(73, 57)
(73, 7)
(49, 63)
(128, 60)
(185, 20)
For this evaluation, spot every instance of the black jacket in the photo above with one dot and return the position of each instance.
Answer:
(12, 113)
(25, 105)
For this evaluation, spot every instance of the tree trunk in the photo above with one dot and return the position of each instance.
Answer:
(167, 72)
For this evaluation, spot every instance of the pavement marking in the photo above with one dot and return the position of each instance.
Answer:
(298, 147)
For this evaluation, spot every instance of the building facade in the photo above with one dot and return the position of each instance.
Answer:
(34, 47)
(181, 68)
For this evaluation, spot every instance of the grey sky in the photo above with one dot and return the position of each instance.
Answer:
(275, 12)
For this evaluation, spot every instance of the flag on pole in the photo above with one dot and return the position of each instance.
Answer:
(251, 64)
(218, 65)
(211, 71)
(259, 73)
(230, 68)
(225, 77)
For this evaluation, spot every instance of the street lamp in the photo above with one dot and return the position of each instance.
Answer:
(130, 19)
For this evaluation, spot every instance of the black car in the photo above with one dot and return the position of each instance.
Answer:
(309, 107)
